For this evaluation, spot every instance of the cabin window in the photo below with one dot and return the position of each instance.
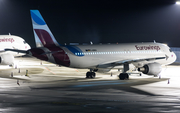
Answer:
(24, 42)
(170, 50)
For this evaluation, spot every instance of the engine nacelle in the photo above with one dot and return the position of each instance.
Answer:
(6, 59)
(151, 69)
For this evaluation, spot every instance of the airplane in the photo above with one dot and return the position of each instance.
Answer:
(11, 42)
(146, 57)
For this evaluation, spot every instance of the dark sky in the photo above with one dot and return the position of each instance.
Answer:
(99, 21)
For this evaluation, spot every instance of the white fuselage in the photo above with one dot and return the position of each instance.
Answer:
(91, 56)
(12, 42)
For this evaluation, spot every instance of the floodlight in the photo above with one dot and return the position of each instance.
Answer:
(178, 2)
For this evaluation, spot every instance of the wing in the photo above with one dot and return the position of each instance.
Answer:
(117, 63)
(16, 50)
(1, 51)
(24, 51)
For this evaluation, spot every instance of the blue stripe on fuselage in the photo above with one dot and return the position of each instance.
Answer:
(75, 50)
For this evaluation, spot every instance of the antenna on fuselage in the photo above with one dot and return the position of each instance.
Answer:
(154, 41)
(9, 34)
(91, 43)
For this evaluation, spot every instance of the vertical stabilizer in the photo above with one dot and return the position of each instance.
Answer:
(42, 33)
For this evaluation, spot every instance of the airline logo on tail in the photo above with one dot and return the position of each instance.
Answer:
(42, 33)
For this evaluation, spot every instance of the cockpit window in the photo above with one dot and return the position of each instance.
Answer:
(170, 50)
(24, 42)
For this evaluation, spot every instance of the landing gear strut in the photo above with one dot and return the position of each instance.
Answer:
(124, 75)
(90, 74)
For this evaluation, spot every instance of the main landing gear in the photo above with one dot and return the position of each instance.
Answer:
(124, 75)
(90, 74)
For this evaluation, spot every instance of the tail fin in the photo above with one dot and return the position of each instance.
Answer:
(42, 33)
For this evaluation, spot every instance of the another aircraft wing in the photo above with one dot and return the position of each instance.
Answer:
(1, 51)
(16, 50)
(23, 51)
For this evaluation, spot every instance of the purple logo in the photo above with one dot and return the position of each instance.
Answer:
(7, 40)
(147, 47)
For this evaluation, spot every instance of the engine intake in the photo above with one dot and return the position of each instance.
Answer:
(6, 59)
(151, 69)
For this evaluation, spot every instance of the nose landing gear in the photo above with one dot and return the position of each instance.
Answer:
(90, 74)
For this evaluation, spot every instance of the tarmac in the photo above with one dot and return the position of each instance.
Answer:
(50, 88)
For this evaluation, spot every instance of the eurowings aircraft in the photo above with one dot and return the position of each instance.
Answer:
(11, 42)
(146, 57)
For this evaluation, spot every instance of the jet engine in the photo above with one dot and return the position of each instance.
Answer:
(6, 59)
(151, 69)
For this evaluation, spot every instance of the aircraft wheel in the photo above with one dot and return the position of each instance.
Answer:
(88, 74)
(93, 74)
(123, 76)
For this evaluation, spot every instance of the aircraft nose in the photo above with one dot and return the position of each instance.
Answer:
(27, 47)
(175, 57)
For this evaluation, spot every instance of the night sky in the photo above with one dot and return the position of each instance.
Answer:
(99, 21)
